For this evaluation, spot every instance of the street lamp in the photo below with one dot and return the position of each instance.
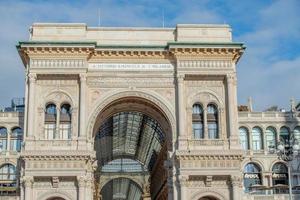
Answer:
(286, 152)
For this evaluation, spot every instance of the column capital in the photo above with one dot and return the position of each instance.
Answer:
(231, 78)
(81, 180)
(180, 77)
(27, 181)
(82, 77)
(31, 77)
(235, 180)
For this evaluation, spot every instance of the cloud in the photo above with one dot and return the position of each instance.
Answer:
(270, 29)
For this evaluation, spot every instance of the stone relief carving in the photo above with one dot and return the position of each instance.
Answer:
(57, 63)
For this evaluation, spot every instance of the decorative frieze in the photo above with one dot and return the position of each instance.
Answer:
(205, 64)
(57, 63)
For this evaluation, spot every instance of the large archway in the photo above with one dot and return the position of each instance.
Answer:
(132, 137)
(208, 198)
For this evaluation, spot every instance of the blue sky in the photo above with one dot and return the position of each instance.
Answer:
(269, 70)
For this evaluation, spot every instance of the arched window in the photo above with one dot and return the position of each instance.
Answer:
(252, 176)
(280, 177)
(16, 139)
(212, 121)
(3, 139)
(244, 138)
(198, 121)
(284, 134)
(50, 121)
(7, 179)
(257, 139)
(296, 134)
(65, 122)
(271, 137)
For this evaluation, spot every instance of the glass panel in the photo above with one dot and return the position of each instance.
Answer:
(280, 176)
(252, 176)
(296, 134)
(198, 130)
(271, 137)
(51, 109)
(244, 138)
(284, 134)
(212, 130)
(212, 109)
(197, 109)
(65, 131)
(256, 139)
(50, 130)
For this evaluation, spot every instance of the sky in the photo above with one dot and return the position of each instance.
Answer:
(269, 70)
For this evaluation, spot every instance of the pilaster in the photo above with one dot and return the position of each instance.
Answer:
(31, 111)
(82, 133)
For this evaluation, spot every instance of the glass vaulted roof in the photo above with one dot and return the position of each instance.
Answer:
(121, 189)
(131, 135)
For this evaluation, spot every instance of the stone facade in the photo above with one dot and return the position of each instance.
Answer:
(84, 76)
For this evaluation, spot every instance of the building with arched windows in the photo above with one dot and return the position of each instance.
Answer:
(139, 113)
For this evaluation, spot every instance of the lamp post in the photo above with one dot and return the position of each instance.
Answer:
(286, 152)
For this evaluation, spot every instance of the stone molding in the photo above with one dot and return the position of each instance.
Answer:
(57, 63)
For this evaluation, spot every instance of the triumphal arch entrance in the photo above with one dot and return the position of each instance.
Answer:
(132, 138)
(130, 113)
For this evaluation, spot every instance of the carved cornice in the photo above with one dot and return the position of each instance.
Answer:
(210, 155)
(58, 155)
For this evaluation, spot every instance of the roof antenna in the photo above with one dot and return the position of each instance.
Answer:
(163, 18)
(99, 17)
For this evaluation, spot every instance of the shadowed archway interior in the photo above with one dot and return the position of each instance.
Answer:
(130, 143)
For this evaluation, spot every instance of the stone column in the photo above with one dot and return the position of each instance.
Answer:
(89, 188)
(183, 180)
(28, 182)
(146, 192)
(205, 128)
(235, 183)
(31, 104)
(232, 110)
(57, 134)
(81, 187)
(82, 105)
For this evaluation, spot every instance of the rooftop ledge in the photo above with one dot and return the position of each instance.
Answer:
(80, 32)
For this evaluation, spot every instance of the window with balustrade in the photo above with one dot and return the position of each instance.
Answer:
(284, 135)
(244, 138)
(296, 134)
(3, 139)
(198, 124)
(257, 142)
(271, 138)
(16, 138)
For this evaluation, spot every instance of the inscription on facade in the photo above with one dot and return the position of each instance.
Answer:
(132, 66)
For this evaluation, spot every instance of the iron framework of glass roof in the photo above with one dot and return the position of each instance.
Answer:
(131, 135)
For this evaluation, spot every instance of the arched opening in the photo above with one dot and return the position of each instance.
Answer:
(50, 121)
(244, 138)
(252, 178)
(3, 139)
(121, 189)
(208, 198)
(55, 198)
(212, 121)
(65, 122)
(8, 179)
(198, 124)
(280, 178)
(131, 139)
(16, 139)
(257, 141)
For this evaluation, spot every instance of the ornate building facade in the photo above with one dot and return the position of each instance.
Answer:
(139, 113)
